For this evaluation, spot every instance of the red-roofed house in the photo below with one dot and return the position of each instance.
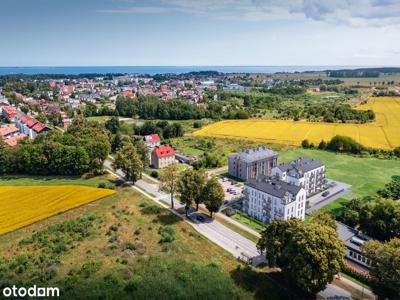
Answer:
(162, 156)
(31, 127)
(9, 112)
(152, 140)
(8, 131)
(13, 141)
(39, 128)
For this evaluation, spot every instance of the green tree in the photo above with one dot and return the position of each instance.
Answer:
(128, 160)
(169, 180)
(386, 263)
(381, 219)
(305, 144)
(190, 186)
(113, 125)
(392, 189)
(308, 254)
(213, 195)
(3, 158)
(143, 152)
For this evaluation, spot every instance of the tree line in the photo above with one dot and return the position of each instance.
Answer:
(82, 148)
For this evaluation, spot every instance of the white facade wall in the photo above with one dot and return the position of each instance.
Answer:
(258, 201)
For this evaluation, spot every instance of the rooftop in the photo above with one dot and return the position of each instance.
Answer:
(302, 164)
(273, 186)
(255, 154)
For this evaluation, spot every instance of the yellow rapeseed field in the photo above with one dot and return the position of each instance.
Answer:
(384, 133)
(24, 205)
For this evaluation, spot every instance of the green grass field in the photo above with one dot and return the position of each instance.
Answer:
(366, 175)
(27, 180)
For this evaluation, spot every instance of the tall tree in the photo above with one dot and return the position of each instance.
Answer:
(169, 180)
(386, 262)
(3, 158)
(308, 254)
(143, 152)
(129, 162)
(190, 186)
(381, 219)
(213, 195)
(113, 125)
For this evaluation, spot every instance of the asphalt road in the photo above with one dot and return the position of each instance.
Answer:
(228, 239)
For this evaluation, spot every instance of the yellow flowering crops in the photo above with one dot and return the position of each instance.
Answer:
(382, 134)
(24, 205)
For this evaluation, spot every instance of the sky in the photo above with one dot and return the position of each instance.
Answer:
(199, 32)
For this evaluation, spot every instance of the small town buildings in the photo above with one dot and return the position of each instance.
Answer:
(9, 113)
(162, 156)
(252, 163)
(13, 140)
(30, 127)
(305, 172)
(151, 140)
(267, 199)
(353, 240)
(7, 131)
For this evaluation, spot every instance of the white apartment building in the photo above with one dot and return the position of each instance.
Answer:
(268, 199)
(304, 172)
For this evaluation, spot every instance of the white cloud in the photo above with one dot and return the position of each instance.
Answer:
(377, 13)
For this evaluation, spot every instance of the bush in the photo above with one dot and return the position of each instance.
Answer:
(167, 234)
(102, 185)
(155, 174)
(344, 144)
(305, 144)
(197, 124)
(134, 283)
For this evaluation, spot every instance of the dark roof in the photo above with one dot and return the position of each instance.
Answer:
(255, 154)
(273, 186)
(302, 164)
(305, 164)
(351, 237)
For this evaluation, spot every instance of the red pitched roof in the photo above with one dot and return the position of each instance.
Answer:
(11, 112)
(24, 118)
(31, 122)
(38, 127)
(152, 138)
(163, 151)
(12, 141)
(5, 130)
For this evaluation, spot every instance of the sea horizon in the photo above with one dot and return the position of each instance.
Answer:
(152, 70)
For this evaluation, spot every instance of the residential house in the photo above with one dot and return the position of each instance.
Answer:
(13, 140)
(152, 140)
(305, 172)
(353, 240)
(8, 131)
(267, 199)
(162, 156)
(252, 163)
(9, 113)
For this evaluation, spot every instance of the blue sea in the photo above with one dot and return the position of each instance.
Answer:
(151, 70)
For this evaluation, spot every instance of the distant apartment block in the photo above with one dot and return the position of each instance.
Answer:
(305, 172)
(252, 163)
(31, 127)
(268, 199)
(162, 156)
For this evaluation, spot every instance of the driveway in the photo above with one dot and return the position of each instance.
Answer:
(337, 190)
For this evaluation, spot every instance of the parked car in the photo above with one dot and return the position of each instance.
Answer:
(326, 193)
(200, 218)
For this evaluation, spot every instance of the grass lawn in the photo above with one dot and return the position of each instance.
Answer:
(366, 175)
(249, 221)
(27, 180)
(123, 241)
